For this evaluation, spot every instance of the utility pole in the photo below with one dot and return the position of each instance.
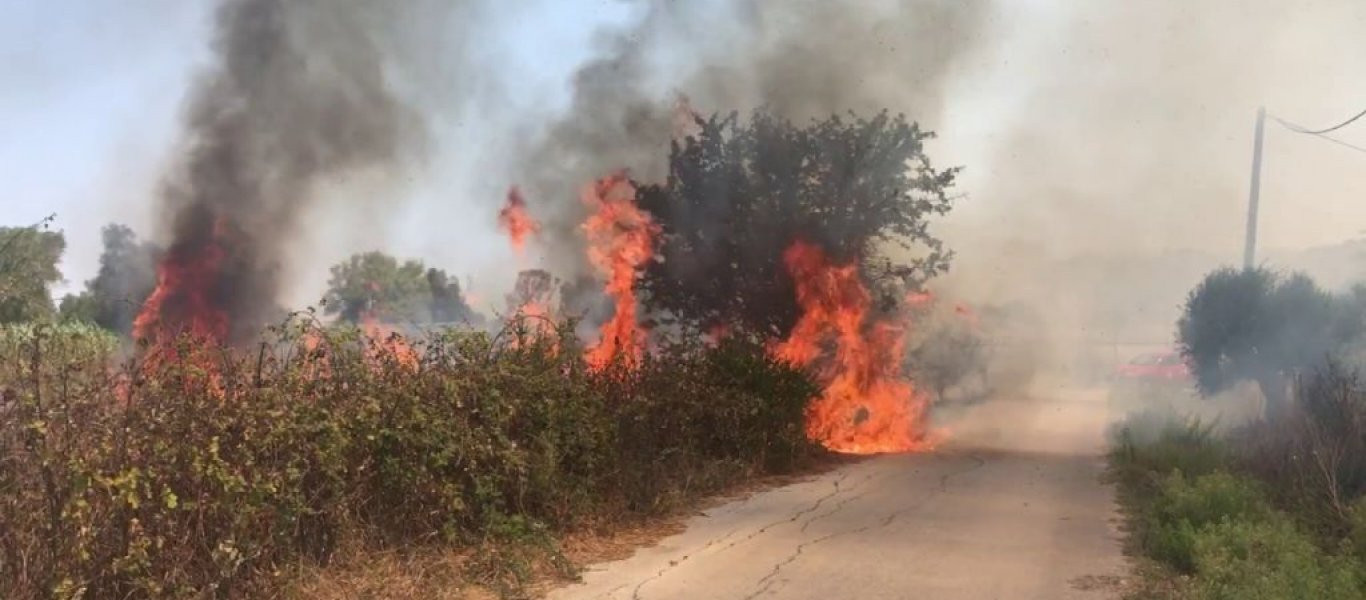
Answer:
(1250, 249)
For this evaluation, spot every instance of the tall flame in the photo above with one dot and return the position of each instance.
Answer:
(866, 406)
(516, 221)
(184, 301)
(620, 240)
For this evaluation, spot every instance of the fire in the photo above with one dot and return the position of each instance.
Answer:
(620, 239)
(866, 406)
(184, 301)
(384, 341)
(516, 221)
(530, 305)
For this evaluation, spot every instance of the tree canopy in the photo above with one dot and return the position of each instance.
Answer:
(28, 268)
(376, 284)
(739, 193)
(126, 277)
(1255, 325)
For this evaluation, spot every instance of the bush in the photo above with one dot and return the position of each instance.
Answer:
(1183, 508)
(1224, 527)
(1157, 443)
(198, 472)
(1269, 559)
(1313, 458)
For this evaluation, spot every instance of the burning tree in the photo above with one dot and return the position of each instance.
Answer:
(738, 195)
(777, 231)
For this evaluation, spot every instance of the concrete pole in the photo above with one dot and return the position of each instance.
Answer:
(1250, 249)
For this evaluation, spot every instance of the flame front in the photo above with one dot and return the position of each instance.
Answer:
(866, 406)
(184, 301)
(620, 241)
(516, 221)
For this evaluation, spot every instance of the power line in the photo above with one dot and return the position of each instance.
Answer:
(1299, 129)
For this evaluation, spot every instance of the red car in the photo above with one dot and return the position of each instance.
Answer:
(1158, 367)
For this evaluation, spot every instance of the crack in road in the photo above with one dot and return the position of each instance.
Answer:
(835, 490)
(767, 582)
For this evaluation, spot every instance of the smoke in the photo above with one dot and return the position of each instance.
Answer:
(803, 60)
(1108, 148)
(299, 94)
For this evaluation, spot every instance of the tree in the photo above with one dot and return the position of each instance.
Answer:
(77, 308)
(1253, 325)
(738, 194)
(126, 277)
(376, 285)
(447, 303)
(28, 267)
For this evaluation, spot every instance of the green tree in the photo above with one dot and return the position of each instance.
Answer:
(738, 194)
(1254, 325)
(28, 268)
(377, 285)
(77, 308)
(126, 277)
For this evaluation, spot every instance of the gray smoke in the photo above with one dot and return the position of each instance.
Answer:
(802, 59)
(301, 93)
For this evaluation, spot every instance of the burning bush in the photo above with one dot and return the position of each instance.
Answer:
(184, 477)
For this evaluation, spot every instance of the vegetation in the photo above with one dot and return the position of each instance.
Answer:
(1271, 510)
(1252, 324)
(378, 285)
(739, 193)
(28, 268)
(126, 277)
(210, 471)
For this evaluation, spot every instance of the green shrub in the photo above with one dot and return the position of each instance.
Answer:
(1158, 443)
(191, 474)
(1269, 559)
(1185, 507)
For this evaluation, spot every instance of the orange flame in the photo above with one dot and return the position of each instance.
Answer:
(516, 221)
(385, 341)
(183, 302)
(530, 306)
(866, 406)
(620, 240)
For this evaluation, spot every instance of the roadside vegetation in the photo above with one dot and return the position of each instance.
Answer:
(214, 472)
(1274, 507)
(466, 456)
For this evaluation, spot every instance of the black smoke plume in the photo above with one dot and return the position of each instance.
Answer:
(298, 93)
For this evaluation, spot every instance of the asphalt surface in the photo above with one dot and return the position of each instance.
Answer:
(1011, 506)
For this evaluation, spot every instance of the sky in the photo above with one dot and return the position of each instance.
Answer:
(1083, 127)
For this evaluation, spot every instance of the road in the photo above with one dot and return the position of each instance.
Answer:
(1012, 506)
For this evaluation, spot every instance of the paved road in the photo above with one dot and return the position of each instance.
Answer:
(1011, 507)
